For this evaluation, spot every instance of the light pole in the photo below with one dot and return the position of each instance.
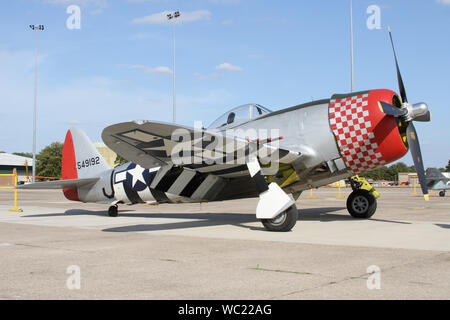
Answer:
(351, 46)
(35, 28)
(171, 16)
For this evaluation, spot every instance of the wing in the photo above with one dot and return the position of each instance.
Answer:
(226, 167)
(152, 144)
(59, 184)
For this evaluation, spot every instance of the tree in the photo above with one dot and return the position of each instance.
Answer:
(48, 161)
(448, 166)
(388, 173)
(119, 161)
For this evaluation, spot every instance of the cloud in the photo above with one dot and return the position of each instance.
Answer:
(225, 1)
(91, 101)
(144, 1)
(228, 67)
(161, 17)
(444, 2)
(209, 76)
(83, 3)
(151, 70)
(97, 6)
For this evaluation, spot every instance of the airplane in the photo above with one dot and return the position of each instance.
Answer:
(437, 181)
(250, 151)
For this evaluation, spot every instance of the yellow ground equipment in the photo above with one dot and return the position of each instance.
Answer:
(14, 175)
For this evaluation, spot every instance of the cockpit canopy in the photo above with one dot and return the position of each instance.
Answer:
(239, 114)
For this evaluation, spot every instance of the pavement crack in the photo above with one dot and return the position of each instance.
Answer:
(48, 247)
(362, 276)
(281, 271)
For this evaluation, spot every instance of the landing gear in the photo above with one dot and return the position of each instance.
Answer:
(113, 211)
(284, 222)
(361, 204)
(442, 193)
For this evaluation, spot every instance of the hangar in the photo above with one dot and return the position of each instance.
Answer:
(8, 162)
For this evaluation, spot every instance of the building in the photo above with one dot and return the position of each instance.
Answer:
(106, 153)
(410, 177)
(407, 178)
(8, 162)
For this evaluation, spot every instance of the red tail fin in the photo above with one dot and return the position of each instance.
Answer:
(69, 166)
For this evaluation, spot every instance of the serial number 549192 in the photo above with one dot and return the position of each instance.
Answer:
(88, 162)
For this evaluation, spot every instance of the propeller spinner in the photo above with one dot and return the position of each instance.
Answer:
(409, 113)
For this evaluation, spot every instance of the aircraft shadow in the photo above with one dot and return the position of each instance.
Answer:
(218, 219)
(444, 226)
(197, 220)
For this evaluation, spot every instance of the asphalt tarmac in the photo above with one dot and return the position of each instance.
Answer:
(58, 249)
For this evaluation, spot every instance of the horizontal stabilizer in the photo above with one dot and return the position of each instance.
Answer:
(434, 174)
(60, 184)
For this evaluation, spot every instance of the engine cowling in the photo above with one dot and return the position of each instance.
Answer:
(367, 138)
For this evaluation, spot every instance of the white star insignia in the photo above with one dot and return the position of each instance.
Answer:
(136, 173)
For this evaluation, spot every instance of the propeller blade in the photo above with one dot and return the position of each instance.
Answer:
(391, 110)
(414, 147)
(425, 118)
(399, 75)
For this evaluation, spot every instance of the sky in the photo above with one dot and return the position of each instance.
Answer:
(117, 64)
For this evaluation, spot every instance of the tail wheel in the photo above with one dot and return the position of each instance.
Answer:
(361, 204)
(284, 222)
(113, 211)
(442, 193)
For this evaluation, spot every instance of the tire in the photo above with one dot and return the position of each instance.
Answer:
(442, 193)
(361, 204)
(113, 211)
(284, 222)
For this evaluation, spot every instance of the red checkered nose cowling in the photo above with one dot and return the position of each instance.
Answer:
(367, 138)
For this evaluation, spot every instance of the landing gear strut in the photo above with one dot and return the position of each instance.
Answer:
(113, 211)
(362, 202)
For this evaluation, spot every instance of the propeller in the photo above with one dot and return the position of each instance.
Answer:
(391, 110)
(409, 113)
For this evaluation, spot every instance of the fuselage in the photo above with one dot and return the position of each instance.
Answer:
(336, 138)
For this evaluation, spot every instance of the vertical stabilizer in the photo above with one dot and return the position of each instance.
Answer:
(80, 158)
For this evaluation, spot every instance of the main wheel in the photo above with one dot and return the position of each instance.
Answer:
(361, 204)
(113, 211)
(442, 193)
(284, 222)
